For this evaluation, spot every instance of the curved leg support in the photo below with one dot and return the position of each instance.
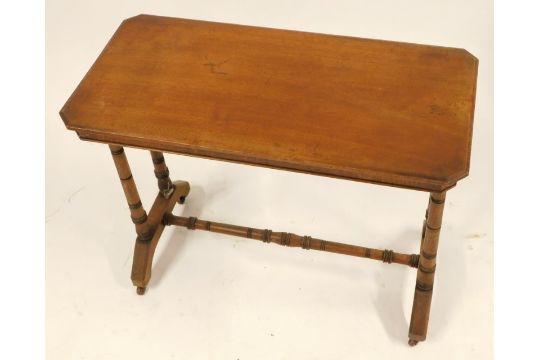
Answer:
(144, 250)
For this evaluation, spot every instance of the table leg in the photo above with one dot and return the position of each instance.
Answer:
(426, 269)
(138, 214)
(162, 174)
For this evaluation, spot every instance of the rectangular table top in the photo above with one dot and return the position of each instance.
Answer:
(377, 111)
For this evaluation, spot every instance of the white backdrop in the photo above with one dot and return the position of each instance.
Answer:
(215, 297)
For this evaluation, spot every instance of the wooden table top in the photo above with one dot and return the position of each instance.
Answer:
(367, 110)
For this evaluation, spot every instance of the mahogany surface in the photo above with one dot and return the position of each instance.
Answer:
(378, 111)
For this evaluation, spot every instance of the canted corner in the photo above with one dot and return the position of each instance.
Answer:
(134, 18)
(470, 56)
(64, 115)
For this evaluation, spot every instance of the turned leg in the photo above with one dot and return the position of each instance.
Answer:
(162, 174)
(426, 269)
(138, 214)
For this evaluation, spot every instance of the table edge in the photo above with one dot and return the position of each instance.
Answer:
(367, 176)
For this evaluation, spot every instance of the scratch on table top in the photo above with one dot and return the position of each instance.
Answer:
(215, 66)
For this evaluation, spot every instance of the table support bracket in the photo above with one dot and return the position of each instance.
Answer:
(293, 240)
(148, 227)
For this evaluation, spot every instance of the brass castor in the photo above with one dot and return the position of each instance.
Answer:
(182, 200)
(141, 290)
(413, 342)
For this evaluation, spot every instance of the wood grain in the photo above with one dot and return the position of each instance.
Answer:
(378, 111)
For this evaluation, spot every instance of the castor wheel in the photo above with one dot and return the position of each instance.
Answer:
(141, 290)
(413, 342)
(182, 200)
